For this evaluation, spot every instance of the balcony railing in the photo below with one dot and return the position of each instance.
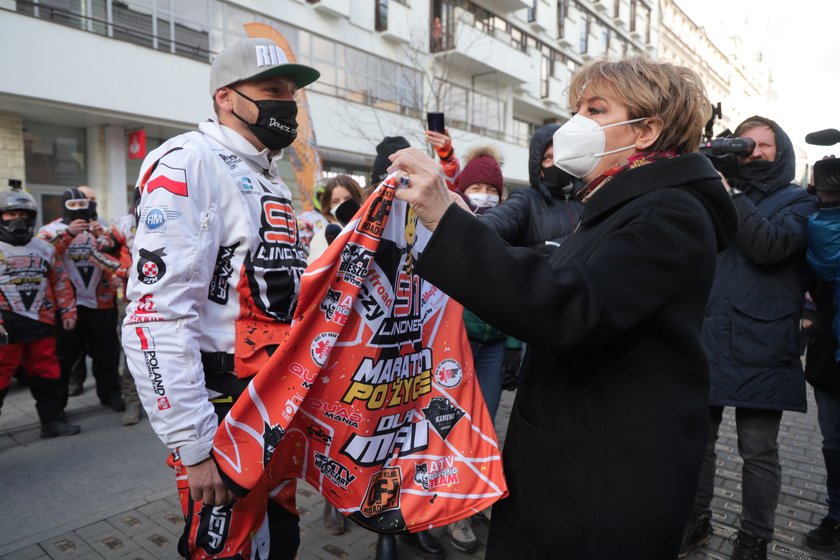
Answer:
(112, 18)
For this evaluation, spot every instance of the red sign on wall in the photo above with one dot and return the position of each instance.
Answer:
(137, 144)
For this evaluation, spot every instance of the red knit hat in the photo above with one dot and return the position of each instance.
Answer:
(482, 167)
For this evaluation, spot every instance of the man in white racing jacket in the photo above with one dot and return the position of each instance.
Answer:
(216, 271)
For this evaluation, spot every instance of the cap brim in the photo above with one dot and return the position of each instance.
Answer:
(301, 74)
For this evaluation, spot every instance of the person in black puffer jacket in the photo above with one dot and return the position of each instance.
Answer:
(545, 214)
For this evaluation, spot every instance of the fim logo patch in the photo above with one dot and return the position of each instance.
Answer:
(213, 528)
(383, 492)
(272, 435)
(442, 415)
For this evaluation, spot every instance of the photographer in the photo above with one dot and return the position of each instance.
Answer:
(74, 237)
(750, 332)
(34, 286)
(821, 366)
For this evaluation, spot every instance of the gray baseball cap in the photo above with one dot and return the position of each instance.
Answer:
(250, 59)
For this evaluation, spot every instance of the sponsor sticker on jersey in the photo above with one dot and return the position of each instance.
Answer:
(448, 373)
(213, 528)
(150, 265)
(219, 286)
(231, 160)
(436, 473)
(383, 492)
(321, 346)
(334, 471)
(442, 415)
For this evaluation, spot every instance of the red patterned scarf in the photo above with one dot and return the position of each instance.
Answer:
(636, 160)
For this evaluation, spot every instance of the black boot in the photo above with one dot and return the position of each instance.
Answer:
(697, 532)
(48, 396)
(749, 547)
(824, 537)
(3, 396)
(386, 547)
(429, 546)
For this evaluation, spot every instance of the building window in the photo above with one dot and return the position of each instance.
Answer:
(632, 15)
(532, 11)
(545, 72)
(584, 33)
(54, 155)
(381, 7)
(562, 14)
(616, 8)
(605, 40)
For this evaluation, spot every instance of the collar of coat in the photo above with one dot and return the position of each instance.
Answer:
(691, 172)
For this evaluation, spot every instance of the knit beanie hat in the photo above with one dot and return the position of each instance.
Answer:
(388, 146)
(483, 166)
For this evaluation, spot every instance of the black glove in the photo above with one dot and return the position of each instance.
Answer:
(510, 369)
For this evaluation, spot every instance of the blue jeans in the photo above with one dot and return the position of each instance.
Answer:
(828, 413)
(488, 358)
(758, 445)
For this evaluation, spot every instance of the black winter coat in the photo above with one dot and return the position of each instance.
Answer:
(608, 428)
(530, 217)
(751, 330)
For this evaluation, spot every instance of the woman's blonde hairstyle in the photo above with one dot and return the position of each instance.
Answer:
(674, 94)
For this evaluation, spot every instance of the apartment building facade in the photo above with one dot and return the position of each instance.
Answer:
(88, 73)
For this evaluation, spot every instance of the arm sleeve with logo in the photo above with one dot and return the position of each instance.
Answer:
(167, 286)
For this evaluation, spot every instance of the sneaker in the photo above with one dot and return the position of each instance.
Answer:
(462, 537)
(697, 532)
(749, 547)
(58, 428)
(131, 415)
(824, 537)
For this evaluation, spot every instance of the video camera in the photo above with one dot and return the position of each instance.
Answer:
(724, 150)
(826, 171)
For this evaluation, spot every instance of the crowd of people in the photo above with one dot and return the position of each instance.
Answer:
(630, 293)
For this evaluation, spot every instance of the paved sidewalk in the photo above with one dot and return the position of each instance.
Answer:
(107, 494)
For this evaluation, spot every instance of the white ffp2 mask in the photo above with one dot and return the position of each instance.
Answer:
(580, 144)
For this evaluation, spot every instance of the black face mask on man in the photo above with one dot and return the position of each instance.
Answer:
(276, 125)
(77, 206)
(558, 182)
(754, 170)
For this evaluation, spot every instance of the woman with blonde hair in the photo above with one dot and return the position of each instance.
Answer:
(607, 432)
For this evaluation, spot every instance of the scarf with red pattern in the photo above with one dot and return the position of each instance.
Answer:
(636, 160)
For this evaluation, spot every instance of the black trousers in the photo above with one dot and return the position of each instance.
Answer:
(96, 334)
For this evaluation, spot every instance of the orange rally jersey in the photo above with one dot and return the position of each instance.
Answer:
(372, 398)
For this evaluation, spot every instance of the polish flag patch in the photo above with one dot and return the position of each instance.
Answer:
(172, 179)
(146, 340)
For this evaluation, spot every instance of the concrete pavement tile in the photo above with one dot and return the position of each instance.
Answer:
(158, 506)
(67, 546)
(131, 522)
(113, 544)
(330, 548)
(94, 529)
(158, 542)
(139, 554)
(33, 552)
